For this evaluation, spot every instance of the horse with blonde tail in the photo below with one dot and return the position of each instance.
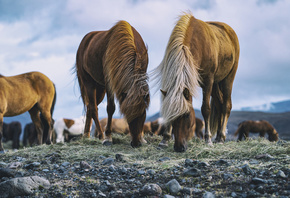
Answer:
(204, 54)
(114, 62)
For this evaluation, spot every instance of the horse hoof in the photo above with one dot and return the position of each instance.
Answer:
(163, 145)
(143, 141)
(137, 145)
(107, 143)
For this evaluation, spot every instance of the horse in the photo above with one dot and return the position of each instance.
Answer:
(114, 62)
(65, 129)
(12, 132)
(33, 92)
(198, 54)
(262, 127)
(30, 134)
(199, 128)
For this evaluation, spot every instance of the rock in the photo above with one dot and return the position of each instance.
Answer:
(108, 161)
(281, 174)
(22, 186)
(257, 180)
(192, 172)
(247, 170)
(168, 196)
(151, 172)
(119, 157)
(65, 164)
(173, 186)
(164, 159)
(208, 195)
(112, 168)
(222, 162)
(6, 172)
(3, 164)
(141, 172)
(85, 165)
(15, 165)
(151, 190)
(203, 164)
(264, 156)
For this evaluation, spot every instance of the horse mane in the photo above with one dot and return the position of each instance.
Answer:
(177, 71)
(123, 67)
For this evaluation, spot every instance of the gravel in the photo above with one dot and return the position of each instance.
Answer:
(115, 174)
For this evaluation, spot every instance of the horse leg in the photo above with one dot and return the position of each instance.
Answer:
(95, 95)
(205, 108)
(34, 114)
(47, 118)
(1, 133)
(110, 110)
(167, 132)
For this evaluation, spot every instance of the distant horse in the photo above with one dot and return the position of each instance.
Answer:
(33, 92)
(65, 129)
(12, 132)
(262, 127)
(30, 135)
(158, 127)
(114, 62)
(202, 54)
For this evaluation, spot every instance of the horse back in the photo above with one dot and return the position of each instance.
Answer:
(90, 55)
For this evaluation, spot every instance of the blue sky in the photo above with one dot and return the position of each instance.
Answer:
(44, 36)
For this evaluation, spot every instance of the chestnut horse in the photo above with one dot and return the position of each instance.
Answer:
(114, 62)
(262, 127)
(202, 54)
(33, 92)
(12, 132)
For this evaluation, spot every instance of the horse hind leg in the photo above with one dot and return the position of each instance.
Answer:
(110, 110)
(34, 114)
(1, 133)
(47, 123)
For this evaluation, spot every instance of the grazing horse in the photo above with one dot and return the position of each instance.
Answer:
(30, 134)
(33, 92)
(12, 132)
(114, 62)
(202, 54)
(118, 125)
(67, 128)
(199, 128)
(262, 127)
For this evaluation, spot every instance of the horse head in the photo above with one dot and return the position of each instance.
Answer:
(183, 125)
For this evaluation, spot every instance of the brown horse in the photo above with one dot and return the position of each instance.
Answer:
(262, 127)
(202, 54)
(114, 62)
(33, 92)
(12, 132)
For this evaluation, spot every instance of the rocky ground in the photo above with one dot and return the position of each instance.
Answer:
(86, 168)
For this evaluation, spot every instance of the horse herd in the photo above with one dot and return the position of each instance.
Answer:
(114, 62)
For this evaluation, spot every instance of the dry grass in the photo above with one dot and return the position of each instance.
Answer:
(149, 155)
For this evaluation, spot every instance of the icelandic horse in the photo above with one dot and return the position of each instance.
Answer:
(114, 62)
(33, 92)
(262, 127)
(204, 54)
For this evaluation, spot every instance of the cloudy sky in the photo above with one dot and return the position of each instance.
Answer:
(41, 35)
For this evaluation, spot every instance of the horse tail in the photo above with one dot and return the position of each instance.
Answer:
(177, 71)
(216, 103)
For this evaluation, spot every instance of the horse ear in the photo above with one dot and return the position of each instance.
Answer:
(186, 94)
(163, 92)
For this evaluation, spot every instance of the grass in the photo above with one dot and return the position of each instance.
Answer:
(148, 155)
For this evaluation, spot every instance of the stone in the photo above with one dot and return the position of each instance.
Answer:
(22, 186)
(15, 165)
(247, 170)
(173, 186)
(151, 190)
(257, 180)
(85, 165)
(192, 172)
(281, 174)
(164, 159)
(208, 195)
(6, 172)
(108, 161)
(65, 164)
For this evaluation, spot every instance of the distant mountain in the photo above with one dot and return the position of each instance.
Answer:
(276, 107)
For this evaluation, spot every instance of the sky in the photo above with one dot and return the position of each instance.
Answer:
(41, 35)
